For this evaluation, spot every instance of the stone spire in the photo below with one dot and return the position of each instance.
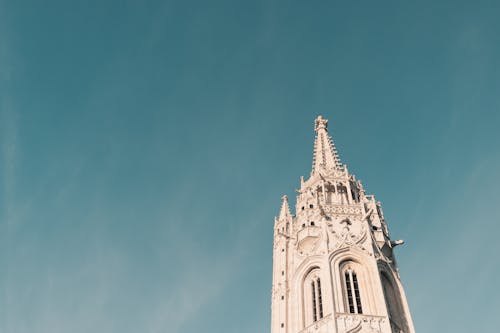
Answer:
(325, 155)
(285, 214)
(334, 268)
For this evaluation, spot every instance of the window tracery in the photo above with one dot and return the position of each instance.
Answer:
(352, 292)
(313, 302)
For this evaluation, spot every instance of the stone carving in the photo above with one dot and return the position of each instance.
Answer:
(368, 324)
(346, 233)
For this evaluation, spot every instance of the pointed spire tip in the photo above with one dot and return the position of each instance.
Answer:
(285, 209)
(325, 155)
(320, 123)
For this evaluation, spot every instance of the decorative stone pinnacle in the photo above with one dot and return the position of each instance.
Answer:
(320, 123)
(285, 214)
(325, 156)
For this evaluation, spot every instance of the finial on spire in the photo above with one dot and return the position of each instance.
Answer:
(285, 214)
(320, 123)
(325, 155)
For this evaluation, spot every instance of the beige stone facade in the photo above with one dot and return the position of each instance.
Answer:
(334, 269)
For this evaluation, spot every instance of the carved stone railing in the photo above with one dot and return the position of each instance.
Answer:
(349, 322)
(354, 209)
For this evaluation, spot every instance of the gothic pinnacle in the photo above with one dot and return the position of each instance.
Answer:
(285, 214)
(325, 155)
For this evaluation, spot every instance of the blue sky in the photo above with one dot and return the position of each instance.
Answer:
(145, 147)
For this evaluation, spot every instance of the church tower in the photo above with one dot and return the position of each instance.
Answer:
(334, 269)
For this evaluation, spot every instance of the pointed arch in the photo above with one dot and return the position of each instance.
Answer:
(312, 308)
(306, 266)
(393, 299)
(353, 303)
(355, 292)
(300, 292)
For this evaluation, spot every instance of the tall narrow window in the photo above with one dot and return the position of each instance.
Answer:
(313, 288)
(313, 310)
(349, 292)
(356, 293)
(352, 290)
(320, 300)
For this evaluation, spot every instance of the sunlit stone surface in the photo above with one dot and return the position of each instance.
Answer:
(334, 269)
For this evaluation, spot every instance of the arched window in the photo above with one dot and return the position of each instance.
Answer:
(355, 286)
(330, 192)
(342, 191)
(352, 292)
(317, 301)
(313, 298)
